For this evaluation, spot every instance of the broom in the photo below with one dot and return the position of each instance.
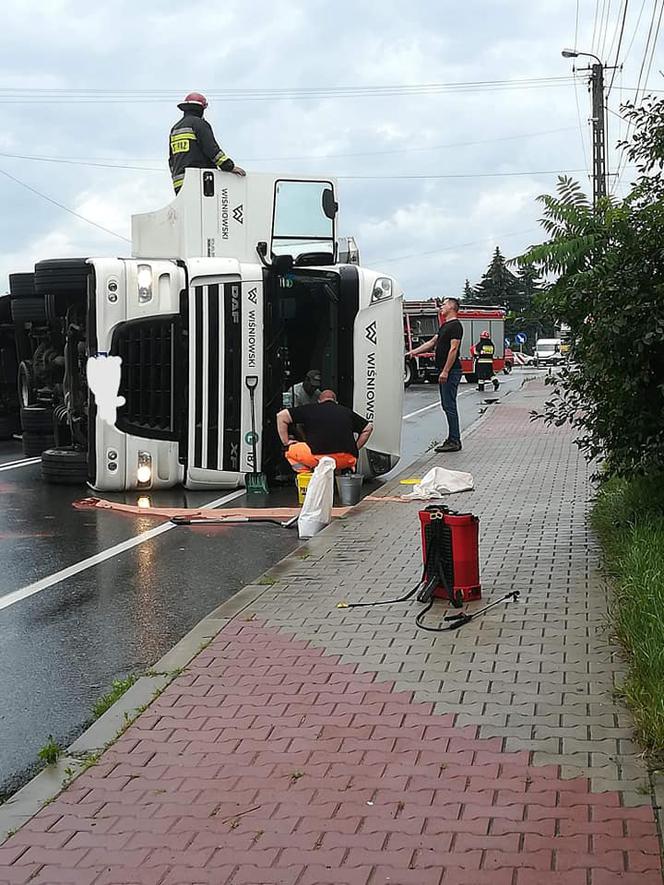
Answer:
(255, 482)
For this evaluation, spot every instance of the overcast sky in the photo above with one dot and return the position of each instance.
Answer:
(431, 233)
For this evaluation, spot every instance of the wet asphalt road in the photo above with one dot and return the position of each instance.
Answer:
(61, 648)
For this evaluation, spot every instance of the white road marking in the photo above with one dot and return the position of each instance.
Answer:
(24, 462)
(84, 564)
(419, 411)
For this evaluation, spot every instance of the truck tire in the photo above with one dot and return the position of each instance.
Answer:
(5, 310)
(26, 385)
(471, 377)
(507, 368)
(36, 443)
(22, 285)
(8, 426)
(407, 374)
(65, 466)
(28, 310)
(37, 420)
(67, 275)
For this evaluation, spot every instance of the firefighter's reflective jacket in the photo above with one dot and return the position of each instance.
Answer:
(484, 351)
(193, 145)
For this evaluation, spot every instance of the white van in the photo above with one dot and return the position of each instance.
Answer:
(547, 352)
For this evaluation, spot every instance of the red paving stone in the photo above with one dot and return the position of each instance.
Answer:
(269, 762)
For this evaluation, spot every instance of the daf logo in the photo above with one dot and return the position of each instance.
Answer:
(238, 213)
(371, 332)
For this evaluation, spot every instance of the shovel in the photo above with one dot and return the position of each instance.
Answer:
(255, 483)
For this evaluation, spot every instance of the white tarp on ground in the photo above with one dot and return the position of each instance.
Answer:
(439, 482)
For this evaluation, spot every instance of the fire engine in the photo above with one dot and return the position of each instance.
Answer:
(422, 320)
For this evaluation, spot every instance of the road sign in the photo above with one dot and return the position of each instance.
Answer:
(507, 342)
(520, 337)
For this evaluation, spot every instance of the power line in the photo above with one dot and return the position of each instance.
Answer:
(458, 175)
(578, 114)
(636, 28)
(620, 39)
(514, 233)
(622, 160)
(592, 42)
(576, 26)
(119, 165)
(606, 28)
(62, 206)
(97, 96)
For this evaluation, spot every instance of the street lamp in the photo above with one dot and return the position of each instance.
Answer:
(599, 126)
(574, 53)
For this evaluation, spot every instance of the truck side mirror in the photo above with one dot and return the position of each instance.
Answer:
(330, 205)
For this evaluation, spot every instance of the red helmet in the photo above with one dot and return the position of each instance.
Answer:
(194, 98)
(485, 334)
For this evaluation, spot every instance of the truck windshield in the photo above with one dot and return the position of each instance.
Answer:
(303, 218)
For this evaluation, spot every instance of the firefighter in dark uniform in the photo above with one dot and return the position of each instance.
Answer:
(484, 353)
(192, 143)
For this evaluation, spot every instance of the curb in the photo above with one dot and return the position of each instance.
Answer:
(88, 747)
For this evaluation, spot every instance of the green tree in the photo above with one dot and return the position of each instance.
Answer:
(498, 286)
(608, 264)
(468, 292)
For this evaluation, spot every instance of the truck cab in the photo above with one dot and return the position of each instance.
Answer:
(235, 283)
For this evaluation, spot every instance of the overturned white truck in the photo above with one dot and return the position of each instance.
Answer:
(236, 282)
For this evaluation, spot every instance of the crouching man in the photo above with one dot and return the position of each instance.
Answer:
(329, 429)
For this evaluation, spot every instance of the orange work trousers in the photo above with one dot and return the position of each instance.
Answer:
(301, 458)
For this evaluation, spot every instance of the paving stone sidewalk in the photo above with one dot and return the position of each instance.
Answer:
(310, 744)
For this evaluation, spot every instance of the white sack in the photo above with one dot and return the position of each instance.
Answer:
(316, 511)
(438, 482)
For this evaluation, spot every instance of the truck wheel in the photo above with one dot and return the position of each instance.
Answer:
(65, 466)
(28, 310)
(22, 285)
(68, 275)
(8, 426)
(36, 443)
(407, 374)
(26, 385)
(471, 377)
(507, 368)
(37, 420)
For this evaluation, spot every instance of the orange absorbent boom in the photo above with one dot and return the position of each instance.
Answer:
(228, 513)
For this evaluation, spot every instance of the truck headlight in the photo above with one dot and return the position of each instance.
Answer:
(382, 289)
(144, 469)
(144, 280)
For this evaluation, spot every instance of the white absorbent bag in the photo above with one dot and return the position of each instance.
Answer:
(316, 511)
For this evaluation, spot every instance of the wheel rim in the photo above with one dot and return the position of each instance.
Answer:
(24, 389)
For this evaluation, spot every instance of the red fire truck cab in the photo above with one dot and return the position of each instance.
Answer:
(422, 320)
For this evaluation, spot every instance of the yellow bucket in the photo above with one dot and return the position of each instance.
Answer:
(303, 480)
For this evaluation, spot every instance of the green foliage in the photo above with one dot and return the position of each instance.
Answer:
(608, 265)
(50, 752)
(499, 286)
(629, 517)
(118, 688)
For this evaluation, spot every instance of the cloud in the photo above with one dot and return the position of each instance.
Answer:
(171, 48)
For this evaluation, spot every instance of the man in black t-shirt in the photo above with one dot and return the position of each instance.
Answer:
(447, 342)
(329, 429)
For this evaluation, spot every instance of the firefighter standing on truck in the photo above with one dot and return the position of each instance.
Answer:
(484, 353)
(192, 143)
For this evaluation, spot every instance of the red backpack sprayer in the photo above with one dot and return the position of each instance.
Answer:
(450, 556)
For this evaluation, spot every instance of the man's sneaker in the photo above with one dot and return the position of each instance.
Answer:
(449, 445)
(496, 384)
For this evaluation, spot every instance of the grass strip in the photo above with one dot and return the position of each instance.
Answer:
(628, 516)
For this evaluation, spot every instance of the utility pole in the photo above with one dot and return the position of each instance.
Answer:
(599, 132)
(598, 122)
